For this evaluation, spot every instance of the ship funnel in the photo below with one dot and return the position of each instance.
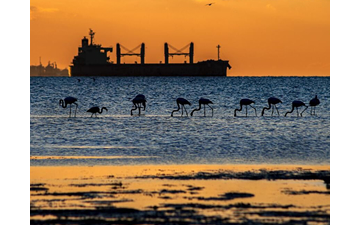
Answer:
(85, 42)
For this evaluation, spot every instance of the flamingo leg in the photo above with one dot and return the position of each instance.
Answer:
(204, 110)
(139, 109)
(272, 110)
(186, 111)
(182, 110)
(70, 111)
(75, 108)
(254, 109)
(303, 110)
(246, 110)
(297, 111)
(212, 110)
(312, 112)
(277, 110)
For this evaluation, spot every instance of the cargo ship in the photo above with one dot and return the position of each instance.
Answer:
(92, 60)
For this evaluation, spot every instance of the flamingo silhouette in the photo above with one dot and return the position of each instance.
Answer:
(137, 102)
(69, 101)
(96, 109)
(272, 101)
(182, 102)
(246, 102)
(203, 101)
(313, 103)
(297, 104)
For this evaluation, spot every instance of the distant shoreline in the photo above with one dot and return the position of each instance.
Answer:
(49, 76)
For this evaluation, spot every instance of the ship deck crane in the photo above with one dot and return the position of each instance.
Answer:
(130, 52)
(179, 52)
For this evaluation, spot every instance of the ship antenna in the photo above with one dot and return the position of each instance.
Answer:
(218, 47)
(91, 33)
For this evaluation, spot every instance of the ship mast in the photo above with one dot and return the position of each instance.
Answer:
(218, 47)
(91, 33)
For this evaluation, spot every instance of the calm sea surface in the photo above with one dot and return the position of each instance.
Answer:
(116, 138)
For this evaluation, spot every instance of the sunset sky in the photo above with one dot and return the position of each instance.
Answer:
(258, 37)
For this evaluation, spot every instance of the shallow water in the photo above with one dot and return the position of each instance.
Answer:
(116, 138)
(180, 194)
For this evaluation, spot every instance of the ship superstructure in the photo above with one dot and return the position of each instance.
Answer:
(91, 54)
(92, 60)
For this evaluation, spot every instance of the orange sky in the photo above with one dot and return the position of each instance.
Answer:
(258, 37)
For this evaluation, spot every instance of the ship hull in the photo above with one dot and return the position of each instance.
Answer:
(205, 68)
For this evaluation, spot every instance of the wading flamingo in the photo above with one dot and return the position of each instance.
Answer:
(137, 102)
(204, 101)
(272, 101)
(297, 104)
(246, 102)
(95, 110)
(182, 102)
(313, 103)
(69, 101)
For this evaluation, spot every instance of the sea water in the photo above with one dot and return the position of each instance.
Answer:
(117, 138)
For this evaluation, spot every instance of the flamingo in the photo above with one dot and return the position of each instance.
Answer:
(272, 101)
(245, 102)
(137, 101)
(182, 102)
(69, 101)
(209, 4)
(203, 101)
(297, 104)
(313, 103)
(96, 109)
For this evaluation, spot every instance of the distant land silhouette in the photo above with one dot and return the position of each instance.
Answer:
(49, 70)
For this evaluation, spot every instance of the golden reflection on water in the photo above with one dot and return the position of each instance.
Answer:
(117, 186)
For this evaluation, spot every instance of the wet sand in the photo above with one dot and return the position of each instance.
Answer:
(180, 194)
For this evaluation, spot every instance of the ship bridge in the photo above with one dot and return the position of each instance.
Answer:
(91, 54)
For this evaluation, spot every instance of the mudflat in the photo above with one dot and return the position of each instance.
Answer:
(180, 194)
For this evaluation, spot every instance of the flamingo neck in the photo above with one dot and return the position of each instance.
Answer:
(196, 109)
(62, 103)
(178, 105)
(292, 109)
(267, 108)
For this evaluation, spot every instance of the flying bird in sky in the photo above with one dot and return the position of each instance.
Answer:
(210, 4)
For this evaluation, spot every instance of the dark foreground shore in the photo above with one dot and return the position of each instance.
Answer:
(180, 194)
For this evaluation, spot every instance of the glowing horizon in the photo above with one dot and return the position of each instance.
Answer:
(259, 38)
